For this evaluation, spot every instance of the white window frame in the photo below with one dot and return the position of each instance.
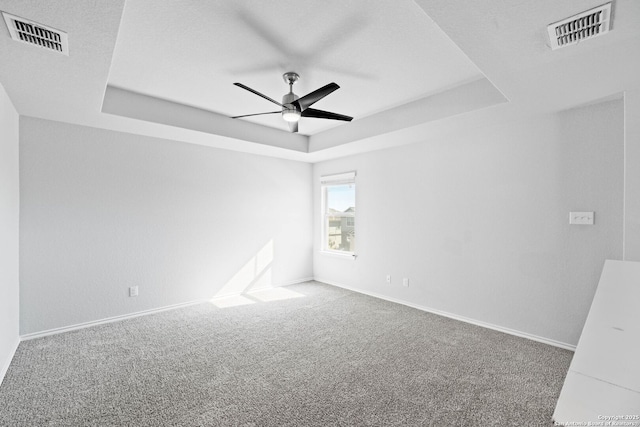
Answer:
(347, 178)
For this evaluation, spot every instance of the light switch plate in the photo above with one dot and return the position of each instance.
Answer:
(581, 218)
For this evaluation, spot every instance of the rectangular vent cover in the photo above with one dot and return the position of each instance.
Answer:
(30, 32)
(586, 25)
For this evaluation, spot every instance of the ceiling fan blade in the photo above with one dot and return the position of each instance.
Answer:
(258, 93)
(293, 126)
(256, 114)
(315, 96)
(320, 114)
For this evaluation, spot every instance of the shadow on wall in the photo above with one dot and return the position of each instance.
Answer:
(253, 283)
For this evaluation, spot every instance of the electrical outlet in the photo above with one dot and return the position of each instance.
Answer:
(405, 282)
(388, 279)
(133, 291)
(581, 218)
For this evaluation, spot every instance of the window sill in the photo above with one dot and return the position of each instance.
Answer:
(344, 256)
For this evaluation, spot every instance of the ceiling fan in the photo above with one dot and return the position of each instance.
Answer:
(294, 107)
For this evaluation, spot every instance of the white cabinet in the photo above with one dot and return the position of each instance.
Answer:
(604, 376)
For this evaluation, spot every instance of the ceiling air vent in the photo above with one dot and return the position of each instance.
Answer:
(586, 25)
(30, 32)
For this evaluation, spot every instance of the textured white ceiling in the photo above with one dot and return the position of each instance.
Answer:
(381, 53)
(50, 85)
(409, 71)
(509, 43)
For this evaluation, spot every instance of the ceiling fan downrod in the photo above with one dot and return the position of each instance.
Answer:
(289, 111)
(290, 78)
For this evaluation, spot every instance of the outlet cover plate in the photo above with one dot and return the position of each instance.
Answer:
(581, 218)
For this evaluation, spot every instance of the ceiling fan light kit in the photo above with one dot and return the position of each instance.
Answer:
(290, 115)
(294, 107)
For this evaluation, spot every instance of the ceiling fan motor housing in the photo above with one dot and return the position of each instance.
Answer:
(289, 112)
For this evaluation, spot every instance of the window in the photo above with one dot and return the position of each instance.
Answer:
(339, 213)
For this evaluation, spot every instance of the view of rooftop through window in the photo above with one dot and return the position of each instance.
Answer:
(340, 209)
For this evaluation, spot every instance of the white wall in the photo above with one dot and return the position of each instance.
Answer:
(632, 175)
(478, 221)
(102, 211)
(9, 215)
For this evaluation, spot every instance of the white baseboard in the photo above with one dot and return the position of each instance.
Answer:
(295, 282)
(138, 314)
(454, 316)
(260, 288)
(6, 363)
(106, 320)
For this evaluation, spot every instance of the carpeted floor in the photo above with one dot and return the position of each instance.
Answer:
(326, 357)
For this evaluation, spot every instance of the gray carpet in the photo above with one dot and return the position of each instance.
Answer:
(329, 357)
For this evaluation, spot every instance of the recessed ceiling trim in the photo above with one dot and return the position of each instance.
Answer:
(124, 103)
(462, 99)
(577, 28)
(35, 34)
